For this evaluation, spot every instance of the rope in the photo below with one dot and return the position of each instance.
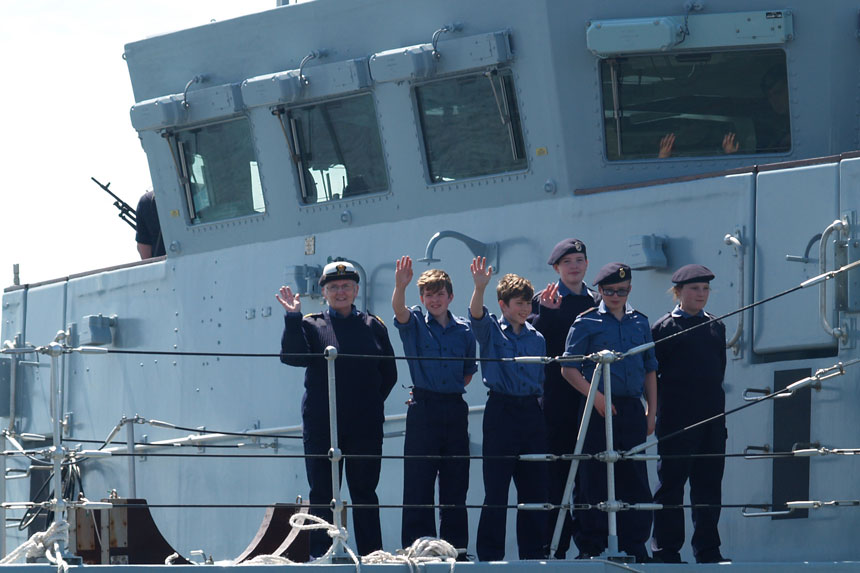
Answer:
(41, 544)
(423, 550)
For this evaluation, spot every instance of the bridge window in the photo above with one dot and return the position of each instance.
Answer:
(337, 149)
(471, 126)
(696, 104)
(219, 171)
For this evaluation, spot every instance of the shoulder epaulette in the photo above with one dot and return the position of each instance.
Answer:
(312, 315)
(590, 310)
(642, 314)
(382, 322)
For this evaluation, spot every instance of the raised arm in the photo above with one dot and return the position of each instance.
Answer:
(294, 339)
(481, 276)
(402, 278)
(288, 300)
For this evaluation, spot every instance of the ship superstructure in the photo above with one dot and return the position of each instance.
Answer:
(444, 130)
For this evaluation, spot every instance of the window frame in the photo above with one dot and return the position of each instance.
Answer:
(288, 126)
(183, 170)
(607, 121)
(500, 97)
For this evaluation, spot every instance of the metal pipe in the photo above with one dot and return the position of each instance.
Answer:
(338, 552)
(3, 495)
(837, 332)
(612, 538)
(478, 248)
(55, 350)
(132, 478)
(735, 243)
(574, 464)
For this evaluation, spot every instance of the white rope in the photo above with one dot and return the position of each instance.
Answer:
(423, 550)
(170, 559)
(41, 544)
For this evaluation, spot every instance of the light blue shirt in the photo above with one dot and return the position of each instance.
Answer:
(422, 335)
(597, 330)
(498, 340)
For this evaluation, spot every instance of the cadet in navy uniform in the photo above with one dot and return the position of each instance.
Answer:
(614, 325)
(363, 384)
(553, 311)
(437, 421)
(513, 421)
(690, 379)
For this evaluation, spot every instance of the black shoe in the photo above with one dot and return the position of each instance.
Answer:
(664, 556)
(465, 557)
(712, 557)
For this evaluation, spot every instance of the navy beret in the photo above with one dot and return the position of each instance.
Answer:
(565, 247)
(692, 274)
(338, 271)
(613, 273)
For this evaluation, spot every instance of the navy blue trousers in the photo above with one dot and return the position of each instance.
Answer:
(512, 426)
(362, 476)
(629, 428)
(560, 406)
(436, 425)
(706, 478)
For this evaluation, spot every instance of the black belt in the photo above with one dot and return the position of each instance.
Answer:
(531, 398)
(423, 394)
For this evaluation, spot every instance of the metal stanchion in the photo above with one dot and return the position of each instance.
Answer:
(132, 475)
(55, 350)
(574, 464)
(339, 553)
(612, 551)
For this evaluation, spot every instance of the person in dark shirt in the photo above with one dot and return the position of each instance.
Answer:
(689, 382)
(553, 311)
(362, 386)
(148, 236)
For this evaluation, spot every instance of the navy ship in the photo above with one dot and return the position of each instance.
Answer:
(661, 133)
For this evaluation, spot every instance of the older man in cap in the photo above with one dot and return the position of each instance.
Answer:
(553, 311)
(615, 325)
(363, 384)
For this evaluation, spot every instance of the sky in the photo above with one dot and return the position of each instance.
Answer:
(65, 97)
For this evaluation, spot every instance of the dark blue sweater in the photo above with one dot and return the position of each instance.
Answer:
(363, 384)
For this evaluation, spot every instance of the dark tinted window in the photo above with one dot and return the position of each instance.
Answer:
(471, 126)
(219, 171)
(696, 104)
(337, 149)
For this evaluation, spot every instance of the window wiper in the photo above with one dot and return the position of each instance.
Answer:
(616, 106)
(504, 108)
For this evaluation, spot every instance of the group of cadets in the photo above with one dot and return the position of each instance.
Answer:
(531, 408)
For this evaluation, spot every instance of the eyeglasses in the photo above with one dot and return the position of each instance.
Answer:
(615, 291)
(339, 288)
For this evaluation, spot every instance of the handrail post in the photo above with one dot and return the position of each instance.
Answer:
(132, 475)
(734, 241)
(574, 464)
(55, 350)
(612, 538)
(3, 445)
(838, 331)
(338, 551)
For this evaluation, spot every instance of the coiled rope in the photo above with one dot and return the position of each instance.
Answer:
(43, 543)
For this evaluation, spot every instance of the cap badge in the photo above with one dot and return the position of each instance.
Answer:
(621, 272)
(341, 269)
(578, 246)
